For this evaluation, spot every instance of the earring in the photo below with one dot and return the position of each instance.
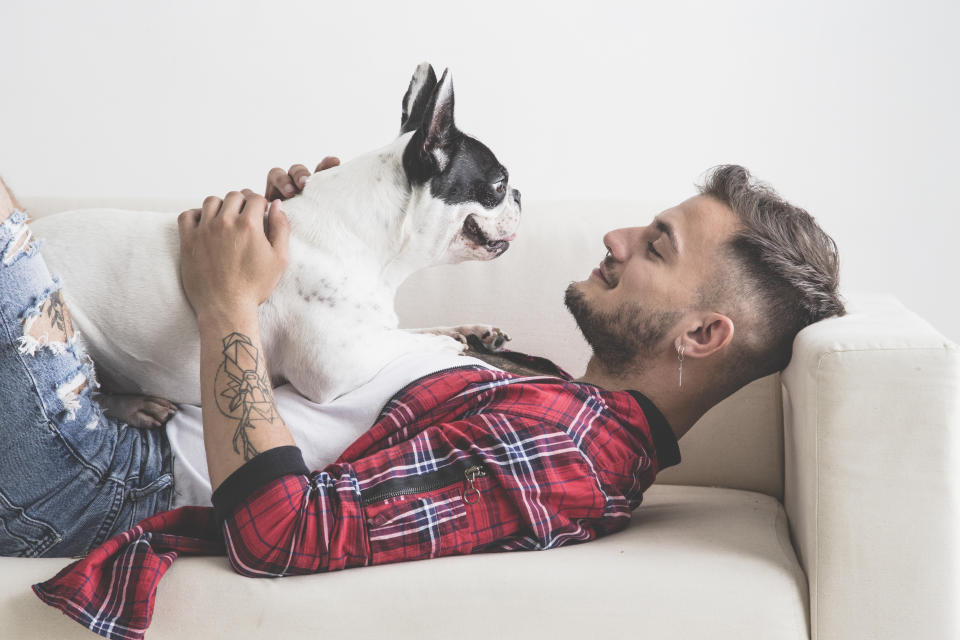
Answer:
(680, 358)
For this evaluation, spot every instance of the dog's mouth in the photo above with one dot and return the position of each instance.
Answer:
(473, 233)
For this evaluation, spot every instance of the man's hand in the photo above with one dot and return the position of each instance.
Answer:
(286, 184)
(229, 264)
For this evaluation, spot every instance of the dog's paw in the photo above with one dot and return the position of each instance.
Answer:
(488, 337)
(137, 411)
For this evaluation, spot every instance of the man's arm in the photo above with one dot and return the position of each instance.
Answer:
(229, 266)
(240, 418)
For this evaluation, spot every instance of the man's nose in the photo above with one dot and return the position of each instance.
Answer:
(516, 196)
(619, 243)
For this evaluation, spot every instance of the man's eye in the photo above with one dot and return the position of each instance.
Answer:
(653, 250)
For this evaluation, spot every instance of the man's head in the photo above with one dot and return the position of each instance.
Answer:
(731, 274)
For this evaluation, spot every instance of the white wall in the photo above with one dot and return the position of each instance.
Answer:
(849, 109)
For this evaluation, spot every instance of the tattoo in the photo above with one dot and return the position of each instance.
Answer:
(243, 391)
(53, 321)
(56, 314)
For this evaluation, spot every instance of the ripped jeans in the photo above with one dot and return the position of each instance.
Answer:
(70, 476)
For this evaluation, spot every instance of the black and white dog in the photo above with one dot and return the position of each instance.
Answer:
(434, 195)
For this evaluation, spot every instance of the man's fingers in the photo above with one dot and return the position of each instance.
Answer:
(254, 206)
(278, 232)
(328, 162)
(253, 200)
(211, 206)
(298, 175)
(232, 205)
(189, 219)
(279, 185)
(286, 184)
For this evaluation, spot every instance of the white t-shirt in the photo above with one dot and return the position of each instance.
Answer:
(322, 431)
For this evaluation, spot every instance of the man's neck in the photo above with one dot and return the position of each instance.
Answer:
(681, 406)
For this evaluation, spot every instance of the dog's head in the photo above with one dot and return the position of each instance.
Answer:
(465, 203)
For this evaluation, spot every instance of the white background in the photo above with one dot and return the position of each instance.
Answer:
(849, 109)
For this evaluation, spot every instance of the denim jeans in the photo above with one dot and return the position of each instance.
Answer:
(70, 476)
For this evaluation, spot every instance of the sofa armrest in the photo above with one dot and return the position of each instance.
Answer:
(872, 473)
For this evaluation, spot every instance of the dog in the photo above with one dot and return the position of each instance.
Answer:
(434, 195)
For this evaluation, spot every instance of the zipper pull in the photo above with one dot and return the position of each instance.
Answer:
(472, 473)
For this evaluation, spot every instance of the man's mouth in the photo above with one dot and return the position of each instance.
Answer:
(599, 273)
(473, 233)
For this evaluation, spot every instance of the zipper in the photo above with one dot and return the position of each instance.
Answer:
(446, 477)
(472, 473)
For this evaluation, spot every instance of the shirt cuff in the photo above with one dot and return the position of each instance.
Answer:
(260, 470)
(664, 441)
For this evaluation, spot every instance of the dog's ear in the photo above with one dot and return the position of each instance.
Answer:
(422, 84)
(431, 146)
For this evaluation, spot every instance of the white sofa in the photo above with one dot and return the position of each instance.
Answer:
(822, 503)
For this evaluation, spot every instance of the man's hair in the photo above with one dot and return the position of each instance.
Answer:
(783, 272)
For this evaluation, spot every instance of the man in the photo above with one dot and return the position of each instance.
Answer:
(680, 314)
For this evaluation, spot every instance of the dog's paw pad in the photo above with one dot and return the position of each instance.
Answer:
(492, 338)
(496, 340)
(477, 336)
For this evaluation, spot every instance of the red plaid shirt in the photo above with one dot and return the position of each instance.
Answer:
(462, 461)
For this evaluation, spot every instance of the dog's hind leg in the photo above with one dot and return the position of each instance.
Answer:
(137, 411)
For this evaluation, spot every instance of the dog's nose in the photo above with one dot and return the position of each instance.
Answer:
(516, 196)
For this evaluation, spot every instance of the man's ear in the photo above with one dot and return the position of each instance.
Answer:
(431, 146)
(712, 334)
(415, 100)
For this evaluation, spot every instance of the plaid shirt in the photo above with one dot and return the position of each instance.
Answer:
(462, 461)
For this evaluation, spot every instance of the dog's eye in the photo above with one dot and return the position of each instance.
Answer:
(500, 185)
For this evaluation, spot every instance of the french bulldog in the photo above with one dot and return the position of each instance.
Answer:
(434, 195)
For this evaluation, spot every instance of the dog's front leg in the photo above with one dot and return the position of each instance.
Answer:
(491, 338)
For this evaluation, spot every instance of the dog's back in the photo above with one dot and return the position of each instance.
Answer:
(121, 282)
(432, 196)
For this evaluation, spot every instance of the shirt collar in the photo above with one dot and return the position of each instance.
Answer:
(664, 440)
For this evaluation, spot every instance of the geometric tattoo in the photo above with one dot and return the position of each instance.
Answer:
(242, 390)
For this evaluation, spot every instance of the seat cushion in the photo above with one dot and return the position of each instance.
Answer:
(696, 562)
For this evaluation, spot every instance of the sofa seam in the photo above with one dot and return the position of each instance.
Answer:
(815, 631)
(944, 347)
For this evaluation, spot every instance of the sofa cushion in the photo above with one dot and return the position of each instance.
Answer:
(695, 562)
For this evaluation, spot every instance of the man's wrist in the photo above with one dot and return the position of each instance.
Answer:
(226, 316)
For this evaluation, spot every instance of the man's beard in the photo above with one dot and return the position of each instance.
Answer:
(624, 339)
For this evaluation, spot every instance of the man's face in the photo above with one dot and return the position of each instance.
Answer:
(645, 292)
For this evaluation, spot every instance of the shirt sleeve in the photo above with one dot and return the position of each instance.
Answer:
(536, 490)
(278, 519)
